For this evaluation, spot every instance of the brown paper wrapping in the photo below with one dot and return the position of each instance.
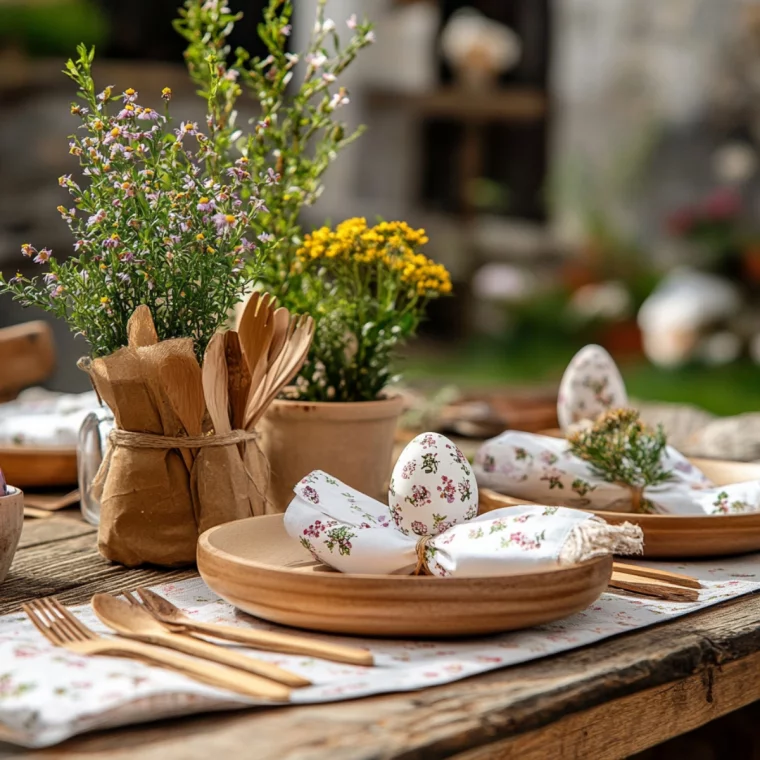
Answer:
(152, 506)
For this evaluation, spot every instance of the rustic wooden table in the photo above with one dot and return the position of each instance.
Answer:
(609, 700)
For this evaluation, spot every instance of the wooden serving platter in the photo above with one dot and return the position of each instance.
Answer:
(33, 467)
(257, 567)
(682, 536)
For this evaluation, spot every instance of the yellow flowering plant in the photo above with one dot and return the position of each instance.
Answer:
(367, 288)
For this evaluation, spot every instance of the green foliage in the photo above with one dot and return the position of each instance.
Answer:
(157, 224)
(368, 288)
(621, 449)
(297, 134)
(52, 28)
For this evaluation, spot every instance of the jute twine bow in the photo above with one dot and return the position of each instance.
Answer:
(131, 440)
(421, 549)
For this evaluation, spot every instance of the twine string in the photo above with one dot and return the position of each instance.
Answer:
(421, 549)
(131, 440)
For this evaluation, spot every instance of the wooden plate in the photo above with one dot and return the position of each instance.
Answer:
(31, 467)
(257, 567)
(682, 536)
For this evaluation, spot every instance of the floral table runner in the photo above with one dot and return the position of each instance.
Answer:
(48, 694)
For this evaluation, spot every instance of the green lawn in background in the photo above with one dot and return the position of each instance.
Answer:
(722, 390)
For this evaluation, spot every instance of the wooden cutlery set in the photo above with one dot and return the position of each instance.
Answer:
(151, 629)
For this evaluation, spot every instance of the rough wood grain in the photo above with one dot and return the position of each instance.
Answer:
(631, 724)
(69, 567)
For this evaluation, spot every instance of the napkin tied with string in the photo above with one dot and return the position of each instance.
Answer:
(354, 533)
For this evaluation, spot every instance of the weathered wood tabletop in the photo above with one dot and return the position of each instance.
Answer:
(608, 700)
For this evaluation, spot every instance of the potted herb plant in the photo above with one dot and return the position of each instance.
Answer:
(367, 288)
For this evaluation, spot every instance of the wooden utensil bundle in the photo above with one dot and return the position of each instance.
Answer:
(183, 456)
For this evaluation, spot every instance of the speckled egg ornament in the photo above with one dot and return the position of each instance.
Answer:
(432, 487)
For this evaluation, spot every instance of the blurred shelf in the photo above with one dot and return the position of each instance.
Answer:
(499, 105)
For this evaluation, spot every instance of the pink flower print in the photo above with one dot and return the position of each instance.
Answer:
(317, 527)
(521, 518)
(465, 490)
(419, 528)
(408, 469)
(420, 496)
(682, 466)
(428, 441)
(440, 524)
(554, 477)
(447, 489)
(474, 533)
(396, 517)
(311, 494)
(547, 457)
(489, 463)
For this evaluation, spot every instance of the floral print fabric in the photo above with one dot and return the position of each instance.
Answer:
(356, 534)
(48, 694)
(540, 468)
(591, 385)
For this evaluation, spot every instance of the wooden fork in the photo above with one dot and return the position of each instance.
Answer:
(59, 626)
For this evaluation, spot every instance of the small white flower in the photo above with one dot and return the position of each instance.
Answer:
(351, 22)
(328, 26)
(369, 37)
(317, 60)
(286, 79)
(328, 78)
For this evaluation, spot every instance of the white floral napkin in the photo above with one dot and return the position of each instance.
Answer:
(591, 385)
(39, 418)
(430, 523)
(541, 469)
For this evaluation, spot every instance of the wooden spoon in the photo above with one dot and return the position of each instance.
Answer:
(182, 382)
(256, 333)
(141, 330)
(238, 378)
(137, 623)
(162, 609)
(290, 363)
(282, 332)
(215, 384)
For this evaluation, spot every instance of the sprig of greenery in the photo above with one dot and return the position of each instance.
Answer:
(621, 449)
(297, 135)
(159, 222)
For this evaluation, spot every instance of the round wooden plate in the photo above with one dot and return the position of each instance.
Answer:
(257, 567)
(33, 467)
(681, 536)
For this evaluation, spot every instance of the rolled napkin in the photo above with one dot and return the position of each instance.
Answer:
(541, 469)
(591, 385)
(353, 533)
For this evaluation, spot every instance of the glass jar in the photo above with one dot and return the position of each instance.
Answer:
(91, 447)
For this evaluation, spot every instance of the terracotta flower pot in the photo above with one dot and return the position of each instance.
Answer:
(11, 521)
(352, 441)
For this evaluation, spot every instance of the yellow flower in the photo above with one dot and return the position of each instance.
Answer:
(104, 299)
(200, 236)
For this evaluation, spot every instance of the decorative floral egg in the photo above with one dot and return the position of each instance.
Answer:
(432, 487)
(591, 385)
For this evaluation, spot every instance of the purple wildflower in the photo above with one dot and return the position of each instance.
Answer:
(43, 256)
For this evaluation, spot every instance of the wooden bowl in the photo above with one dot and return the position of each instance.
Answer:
(257, 567)
(11, 522)
(33, 467)
(681, 536)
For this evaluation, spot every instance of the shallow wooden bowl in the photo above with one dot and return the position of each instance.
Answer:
(682, 536)
(257, 567)
(31, 467)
